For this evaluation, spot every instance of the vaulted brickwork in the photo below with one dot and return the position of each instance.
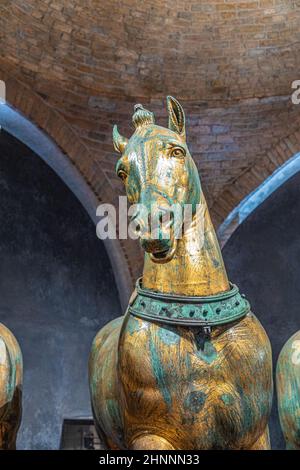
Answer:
(230, 63)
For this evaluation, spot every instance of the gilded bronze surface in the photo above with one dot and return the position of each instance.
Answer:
(288, 391)
(159, 386)
(11, 370)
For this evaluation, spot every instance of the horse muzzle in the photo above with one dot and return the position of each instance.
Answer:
(156, 233)
(161, 250)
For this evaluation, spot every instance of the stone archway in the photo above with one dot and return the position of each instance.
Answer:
(257, 197)
(280, 162)
(27, 117)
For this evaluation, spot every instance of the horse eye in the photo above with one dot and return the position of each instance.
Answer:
(122, 174)
(178, 152)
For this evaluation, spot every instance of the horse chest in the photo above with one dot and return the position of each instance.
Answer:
(196, 383)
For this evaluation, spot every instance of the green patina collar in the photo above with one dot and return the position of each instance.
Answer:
(184, 310)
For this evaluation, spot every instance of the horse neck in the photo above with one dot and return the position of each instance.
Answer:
(197, 269)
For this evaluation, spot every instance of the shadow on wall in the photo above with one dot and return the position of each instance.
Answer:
(56, 288)
(263, 258)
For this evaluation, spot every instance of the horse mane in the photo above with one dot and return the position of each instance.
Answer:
(142, 117)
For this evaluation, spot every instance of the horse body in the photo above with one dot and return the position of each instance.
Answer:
(288, 391)
(178, 381)
(183, 390)
(10, 388)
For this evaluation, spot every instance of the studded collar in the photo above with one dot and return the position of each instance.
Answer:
(198, 311)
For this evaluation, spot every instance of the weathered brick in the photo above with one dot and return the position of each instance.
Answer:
(226, 61)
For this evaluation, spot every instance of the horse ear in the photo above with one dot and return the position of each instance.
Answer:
(119, 141)
(176, 116)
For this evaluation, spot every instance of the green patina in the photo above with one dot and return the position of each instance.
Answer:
(114, 413)
(11, 383)
(93, 382)
(113, 409)
(195, 401)
(159, 372)
(288, 390)
(133, 325)
(216, 263)
(249, 413)
(227, 399)
(168, 336)
(208, 353)
(265, 399)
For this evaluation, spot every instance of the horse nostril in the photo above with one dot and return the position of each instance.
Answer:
(138, 228)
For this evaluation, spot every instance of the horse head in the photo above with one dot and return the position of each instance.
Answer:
(159, 175)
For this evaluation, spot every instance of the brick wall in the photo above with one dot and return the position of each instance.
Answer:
(230, 63)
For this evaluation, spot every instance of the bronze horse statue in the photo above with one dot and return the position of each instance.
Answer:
(189, 365)
(288, 391)
(11, 375)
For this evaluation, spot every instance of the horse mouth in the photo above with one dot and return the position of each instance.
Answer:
(161, 245)
(164, 256)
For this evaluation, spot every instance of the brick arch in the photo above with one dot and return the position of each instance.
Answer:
(27, 116)
(230, 64)
(275, 157)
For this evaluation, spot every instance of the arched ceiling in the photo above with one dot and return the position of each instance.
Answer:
(210, 53)
(230, 63)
